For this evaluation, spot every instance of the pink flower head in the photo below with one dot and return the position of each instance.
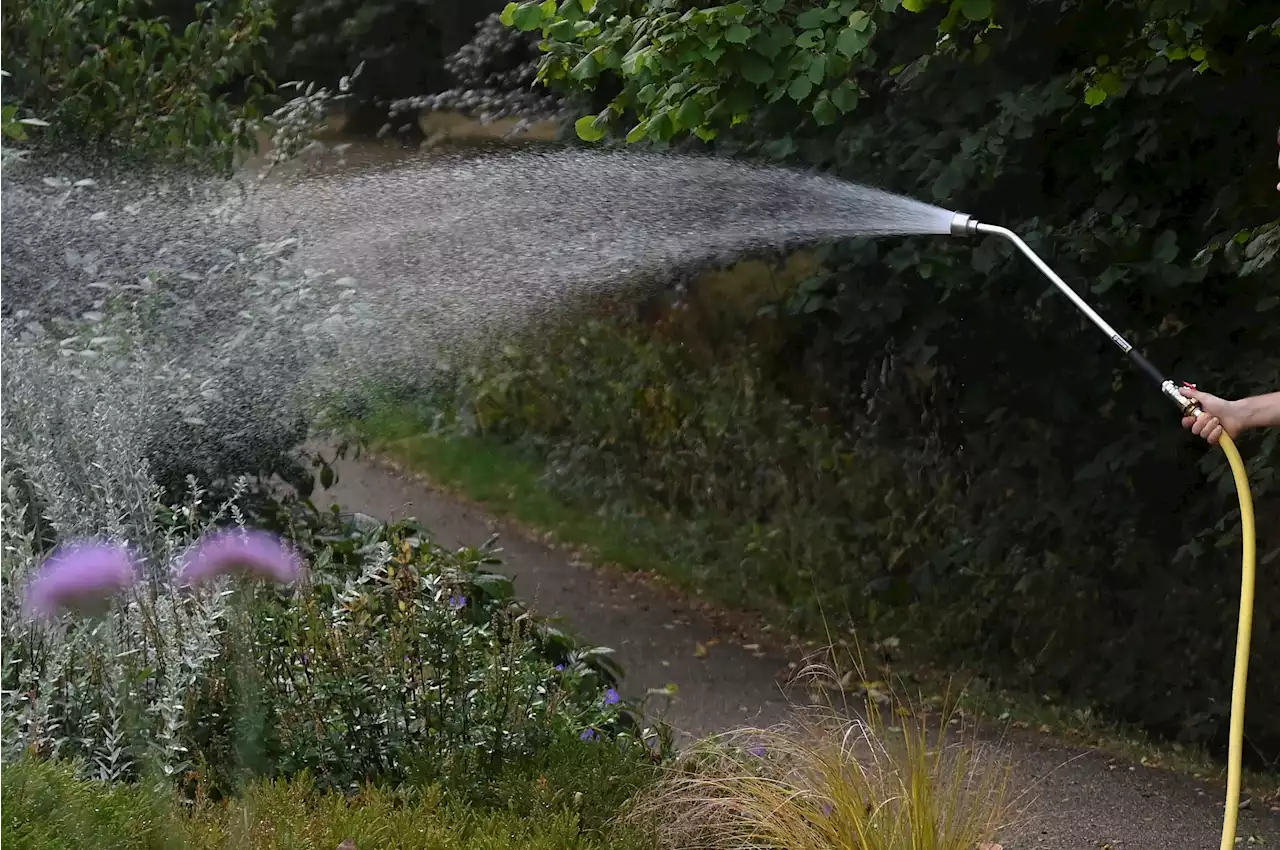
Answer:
(247, 552)
(81, 576)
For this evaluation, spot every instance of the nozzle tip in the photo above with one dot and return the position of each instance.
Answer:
(963, 224)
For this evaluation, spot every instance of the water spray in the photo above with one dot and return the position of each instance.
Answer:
(965, 225)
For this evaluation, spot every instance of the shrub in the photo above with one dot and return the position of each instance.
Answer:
(393, 660)
(117, 74)
(812, 503)
(776, 503)
(404, 661)
(1126, 141)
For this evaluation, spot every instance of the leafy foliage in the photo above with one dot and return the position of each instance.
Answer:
(122, 75)
(424, 662)
(1129, 141)
(393, 660)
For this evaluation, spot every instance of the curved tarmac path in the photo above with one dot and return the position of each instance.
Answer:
(1083, 800)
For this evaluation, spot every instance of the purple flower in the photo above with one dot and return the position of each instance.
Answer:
(560, 668)
(81, 576)
(611, 697)
(589, 734)
(758, 752)
(240, 551)
(458, 601)
(826, 810)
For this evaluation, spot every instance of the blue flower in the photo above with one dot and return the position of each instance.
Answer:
(458, 601)
(589, 734)
(611, 697)
(560, 668)
(758, 751)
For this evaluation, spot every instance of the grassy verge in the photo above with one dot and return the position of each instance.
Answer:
(507, 482)
(568, 800)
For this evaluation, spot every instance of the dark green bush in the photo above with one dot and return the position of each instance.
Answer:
(795, 510)
(130, 77)
(407, 661)
(1132, 143)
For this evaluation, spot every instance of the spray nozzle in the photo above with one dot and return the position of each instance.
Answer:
(963, 224)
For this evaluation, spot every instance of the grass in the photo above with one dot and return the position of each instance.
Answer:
(507, 482)
(828, 779)
(567, 802)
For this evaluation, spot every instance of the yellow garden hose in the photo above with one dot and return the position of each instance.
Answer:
(1244, 630)
(963, 225)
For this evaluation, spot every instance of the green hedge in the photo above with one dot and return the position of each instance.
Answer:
(814, 516)
(1132, 143)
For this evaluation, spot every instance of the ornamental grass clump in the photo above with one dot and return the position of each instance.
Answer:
(827, 779)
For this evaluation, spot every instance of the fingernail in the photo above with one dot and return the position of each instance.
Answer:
(1189, 384)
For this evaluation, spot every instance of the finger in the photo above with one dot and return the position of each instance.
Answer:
(1188, 421)
(1199, 425)
(1215, 435)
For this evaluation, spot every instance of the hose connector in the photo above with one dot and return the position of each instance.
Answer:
(963, 224)
(1188, 406)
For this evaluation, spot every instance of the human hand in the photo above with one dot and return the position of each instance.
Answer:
(1220, 416)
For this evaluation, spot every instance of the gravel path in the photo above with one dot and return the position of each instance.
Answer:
(1083, 800)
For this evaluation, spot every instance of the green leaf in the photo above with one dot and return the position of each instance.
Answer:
(824, 111)
(738, 34)
(1166, 247)
(1094, 96)
(587, 5)
(811, 19)
(773, 7)
(915, 5)
(846, 96)
(690, 113)
(756, 70)
(800, 88)
(861, 21)
(769, 45)
(889, 5)
(852, 41)
(811, 38)
(587, 130)
(977, 10)
(507, 12)
(638, 132)
(586, 69)
(527, 17)
(635, 61)
(817, 71)
(1268, 303)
